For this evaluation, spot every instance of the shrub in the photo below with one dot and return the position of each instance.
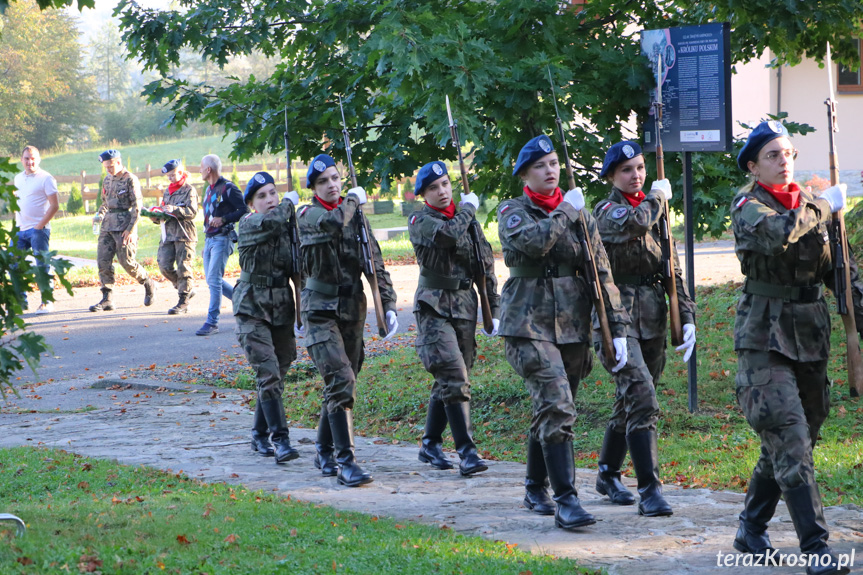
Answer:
(75, 204)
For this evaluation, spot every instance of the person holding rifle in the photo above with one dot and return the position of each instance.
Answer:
(545, 319)
(782, 338)
(334, 310)
(265, 310)
(445, 307)
(629, 223)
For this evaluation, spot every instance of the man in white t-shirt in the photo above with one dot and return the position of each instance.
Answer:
(37, 204)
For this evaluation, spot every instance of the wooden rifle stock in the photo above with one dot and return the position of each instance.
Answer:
(363, 238)
(475, 232)
(296, 271)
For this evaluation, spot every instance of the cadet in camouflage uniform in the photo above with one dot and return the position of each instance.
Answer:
(118, 235)
(545, 320)
(179, 234)
(782, 338)
(628, 221)
(445, 307)
(265, 310)
(334, 310)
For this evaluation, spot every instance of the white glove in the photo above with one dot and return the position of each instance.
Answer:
(835, 196)
(688, 341)
(471, 199)
(495, 326)
(392, 322)
(575, 198)
(300, 331)
(293, 197)
(359, 193)
(663, 186)
(619, 353)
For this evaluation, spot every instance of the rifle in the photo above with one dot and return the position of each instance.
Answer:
(584, 238)
(841, 266)
(296, 271)
(669, 277)
(474, 229)
(363, 237)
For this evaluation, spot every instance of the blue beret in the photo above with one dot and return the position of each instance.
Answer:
(108, 155)
(429, 174)
(170, 166)
(317, 167)
(759, 137)
(619, 152)
(532, 151)
(257, 182)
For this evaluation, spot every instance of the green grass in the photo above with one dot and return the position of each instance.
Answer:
(713, 448)
(87, 515)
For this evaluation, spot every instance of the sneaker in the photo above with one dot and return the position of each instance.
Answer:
(47, 307)
(207, 329)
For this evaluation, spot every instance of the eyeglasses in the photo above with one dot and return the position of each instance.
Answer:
(787, 153)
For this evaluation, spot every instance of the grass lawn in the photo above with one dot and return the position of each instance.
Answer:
(712, 448)
(93, 516)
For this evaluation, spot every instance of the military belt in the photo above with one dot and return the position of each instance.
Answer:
(119, 210)
(549, 271)
(259, 280)
(332, 290)
(802, 294)
(433, 280)
(646, 280)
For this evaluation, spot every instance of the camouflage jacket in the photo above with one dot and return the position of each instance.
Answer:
(332, 254)
(265, 252)
(791, 248)
(121, 201)
(555, 309)
(444, 248)
(181, 227)
(632, 242)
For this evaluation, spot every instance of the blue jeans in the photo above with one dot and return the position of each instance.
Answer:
(37, 241)
(216, 252)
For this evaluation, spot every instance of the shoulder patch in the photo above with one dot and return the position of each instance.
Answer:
(619, 213)
(513, 221)
(413, 219)
(505, 208)
(606, 205)
(247, 215)
(303, 209)
(739, 203)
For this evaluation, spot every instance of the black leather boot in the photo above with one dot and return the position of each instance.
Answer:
(643, 451)
(458, 415)
(431, 451)
(105, 303)
(536, 496)
(559, 463)
(324, 458)
(274, 411)
(758, 508)
(611, 458)
(149, 290)
(342, 428)
(260, 433)
(182, 305)
(807, 514)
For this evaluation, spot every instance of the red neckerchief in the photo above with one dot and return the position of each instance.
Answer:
(789, 198)
(634, 199)
(330, 207)
(174, 186)
(448, 211)
(547, 203)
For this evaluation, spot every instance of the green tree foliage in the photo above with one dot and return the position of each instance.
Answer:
(19, 347)
(75, 203)
(46, 4)
(394, 61)
(45, 95)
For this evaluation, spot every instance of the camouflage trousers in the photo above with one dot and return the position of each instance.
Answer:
(447, 349)
(635, 406)
(551, 373)
(785, 402)
(110, 244)
(337, 348)
(175, 262)
(270, 351)
(653, 352)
